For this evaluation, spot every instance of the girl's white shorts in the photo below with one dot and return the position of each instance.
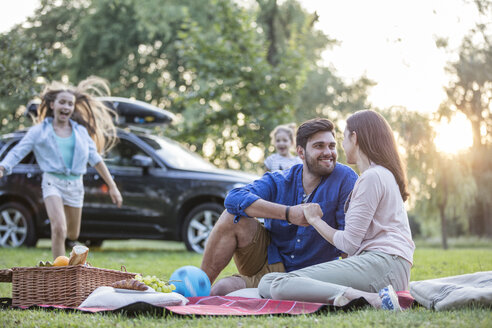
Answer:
(70, 191)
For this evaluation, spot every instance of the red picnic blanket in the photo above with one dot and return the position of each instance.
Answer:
(236, 306)
(228, 305)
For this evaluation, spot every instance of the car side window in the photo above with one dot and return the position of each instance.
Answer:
(29, 159)
(123, 153)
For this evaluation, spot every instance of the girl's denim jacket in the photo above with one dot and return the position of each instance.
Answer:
(41, 139)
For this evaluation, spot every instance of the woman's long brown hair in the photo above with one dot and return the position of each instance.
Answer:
(376, 140)
(89, 112)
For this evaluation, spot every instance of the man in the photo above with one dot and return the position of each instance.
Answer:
(286, 242)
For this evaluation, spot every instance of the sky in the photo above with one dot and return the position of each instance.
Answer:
(391, 42)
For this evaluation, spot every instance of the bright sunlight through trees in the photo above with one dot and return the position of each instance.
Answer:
(454, 135)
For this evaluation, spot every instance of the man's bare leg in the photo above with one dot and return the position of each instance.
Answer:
(225, 238)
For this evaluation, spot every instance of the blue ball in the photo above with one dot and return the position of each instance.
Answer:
(191, 281)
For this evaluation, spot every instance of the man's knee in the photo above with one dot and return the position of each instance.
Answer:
(225, 221)
(244, 229)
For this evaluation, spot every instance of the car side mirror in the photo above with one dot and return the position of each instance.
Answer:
(142, 161)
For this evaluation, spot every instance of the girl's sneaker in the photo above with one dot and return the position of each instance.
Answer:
(389, 299)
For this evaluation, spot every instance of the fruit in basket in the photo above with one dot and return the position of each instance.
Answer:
(45, 264)
(157, 284)
(61, 260)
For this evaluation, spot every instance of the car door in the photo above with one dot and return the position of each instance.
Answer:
(145, 201)
(25, 180)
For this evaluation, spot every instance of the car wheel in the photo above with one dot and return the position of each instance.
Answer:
(16, 226)
(198, 225)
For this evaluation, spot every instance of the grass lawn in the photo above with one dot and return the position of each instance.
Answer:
(162, 258)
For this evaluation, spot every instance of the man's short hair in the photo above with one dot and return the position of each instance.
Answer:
(311, 127)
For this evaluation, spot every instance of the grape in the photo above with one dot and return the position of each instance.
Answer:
(157, 284)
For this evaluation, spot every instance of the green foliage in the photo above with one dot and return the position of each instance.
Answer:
(322, 93)
(436, 181)
(237, 94)
(21, 62)
(210, 62)
(326, 95)
(470, 93)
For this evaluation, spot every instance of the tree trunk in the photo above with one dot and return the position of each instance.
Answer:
(444, 232)
(480, 219)
(270, 12)
(441, 204)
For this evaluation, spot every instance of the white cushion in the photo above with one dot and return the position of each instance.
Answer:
(246, 292)
(115, 298)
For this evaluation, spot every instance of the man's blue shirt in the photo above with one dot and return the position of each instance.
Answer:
(297, 247)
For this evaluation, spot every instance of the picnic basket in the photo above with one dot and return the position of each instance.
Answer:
(64, 285)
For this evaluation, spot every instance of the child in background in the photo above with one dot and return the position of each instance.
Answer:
(283, 140)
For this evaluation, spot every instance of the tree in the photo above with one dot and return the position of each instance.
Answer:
(441, 186)
(470, 92)
(288, 28)
(215, 64)
(22, 62)
(33, 55)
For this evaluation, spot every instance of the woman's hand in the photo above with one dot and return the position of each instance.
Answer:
(296, 216)
(115, 195)
(312, 212)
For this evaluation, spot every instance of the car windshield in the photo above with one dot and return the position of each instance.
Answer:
(176, 155)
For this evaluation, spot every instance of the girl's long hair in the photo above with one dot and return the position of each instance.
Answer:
(376, 140)
(89, 112)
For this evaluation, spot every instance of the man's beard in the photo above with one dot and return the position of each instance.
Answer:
(316, 168)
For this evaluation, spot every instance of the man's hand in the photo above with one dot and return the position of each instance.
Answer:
(296, 216)
(2, 169)
(312, 212)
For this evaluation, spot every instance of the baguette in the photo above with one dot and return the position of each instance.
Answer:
(130, 284)
(78, 255)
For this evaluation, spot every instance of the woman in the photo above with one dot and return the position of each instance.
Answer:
(72, 128)
(377, 235)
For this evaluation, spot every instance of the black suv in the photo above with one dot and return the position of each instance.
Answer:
(169, 193)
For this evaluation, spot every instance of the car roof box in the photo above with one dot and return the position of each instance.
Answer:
(137, 112)
(32, 107)
(130, 112)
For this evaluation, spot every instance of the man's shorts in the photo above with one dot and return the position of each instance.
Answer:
(252, 260)
(70, 191)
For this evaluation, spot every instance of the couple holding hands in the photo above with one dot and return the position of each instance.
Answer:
(317, 212)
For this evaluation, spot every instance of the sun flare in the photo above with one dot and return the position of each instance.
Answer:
(453, 136)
